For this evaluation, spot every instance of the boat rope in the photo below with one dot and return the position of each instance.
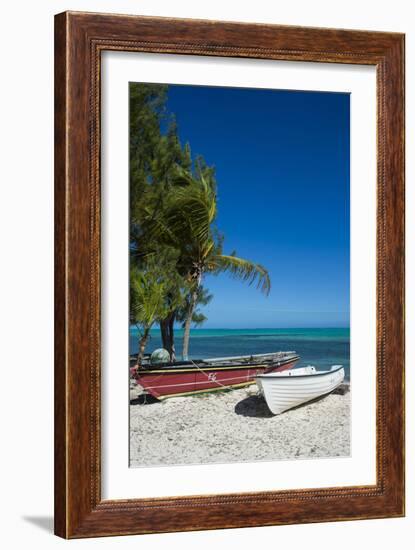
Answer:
(207, 376)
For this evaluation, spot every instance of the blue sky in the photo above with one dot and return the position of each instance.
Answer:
(282, 167)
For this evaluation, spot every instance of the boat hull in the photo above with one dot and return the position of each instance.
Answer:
(285, 392)
(190, 380)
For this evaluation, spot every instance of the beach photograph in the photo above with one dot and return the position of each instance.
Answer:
(239, 328)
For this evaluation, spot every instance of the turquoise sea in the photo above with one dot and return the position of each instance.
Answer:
(321, 347)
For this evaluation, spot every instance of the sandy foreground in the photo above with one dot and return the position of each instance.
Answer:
(234, 426)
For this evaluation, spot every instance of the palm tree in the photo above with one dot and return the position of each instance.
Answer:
(186, 224)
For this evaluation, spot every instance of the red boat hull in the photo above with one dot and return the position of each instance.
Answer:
(162, 383)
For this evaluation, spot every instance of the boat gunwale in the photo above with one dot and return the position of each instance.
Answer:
(196, 367)
(281, 376)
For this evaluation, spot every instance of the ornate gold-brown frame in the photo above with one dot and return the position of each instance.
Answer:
(79, 40)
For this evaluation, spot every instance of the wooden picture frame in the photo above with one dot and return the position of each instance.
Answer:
(79, 40)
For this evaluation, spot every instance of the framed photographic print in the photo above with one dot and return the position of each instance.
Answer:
(229, 288)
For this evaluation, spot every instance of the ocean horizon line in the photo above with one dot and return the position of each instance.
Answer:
(258, 328)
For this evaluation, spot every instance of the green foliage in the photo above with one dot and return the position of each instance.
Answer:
(155, 149)
(156, 289)
(147, 304)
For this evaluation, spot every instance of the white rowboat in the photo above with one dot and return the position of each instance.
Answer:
(285, 390)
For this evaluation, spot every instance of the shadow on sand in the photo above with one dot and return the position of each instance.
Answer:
(254, 406)
(144, 399)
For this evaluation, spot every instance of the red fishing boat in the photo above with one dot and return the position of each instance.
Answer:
(164, 380)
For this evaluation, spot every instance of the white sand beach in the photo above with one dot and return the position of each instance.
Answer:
(235, 426)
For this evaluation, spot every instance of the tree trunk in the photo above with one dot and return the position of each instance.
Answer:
(172, 349)
(188, 322)
(142, 345)
(167, 335)
(164, 331)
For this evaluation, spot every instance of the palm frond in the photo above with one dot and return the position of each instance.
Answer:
(244, 270)
(185, 222)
